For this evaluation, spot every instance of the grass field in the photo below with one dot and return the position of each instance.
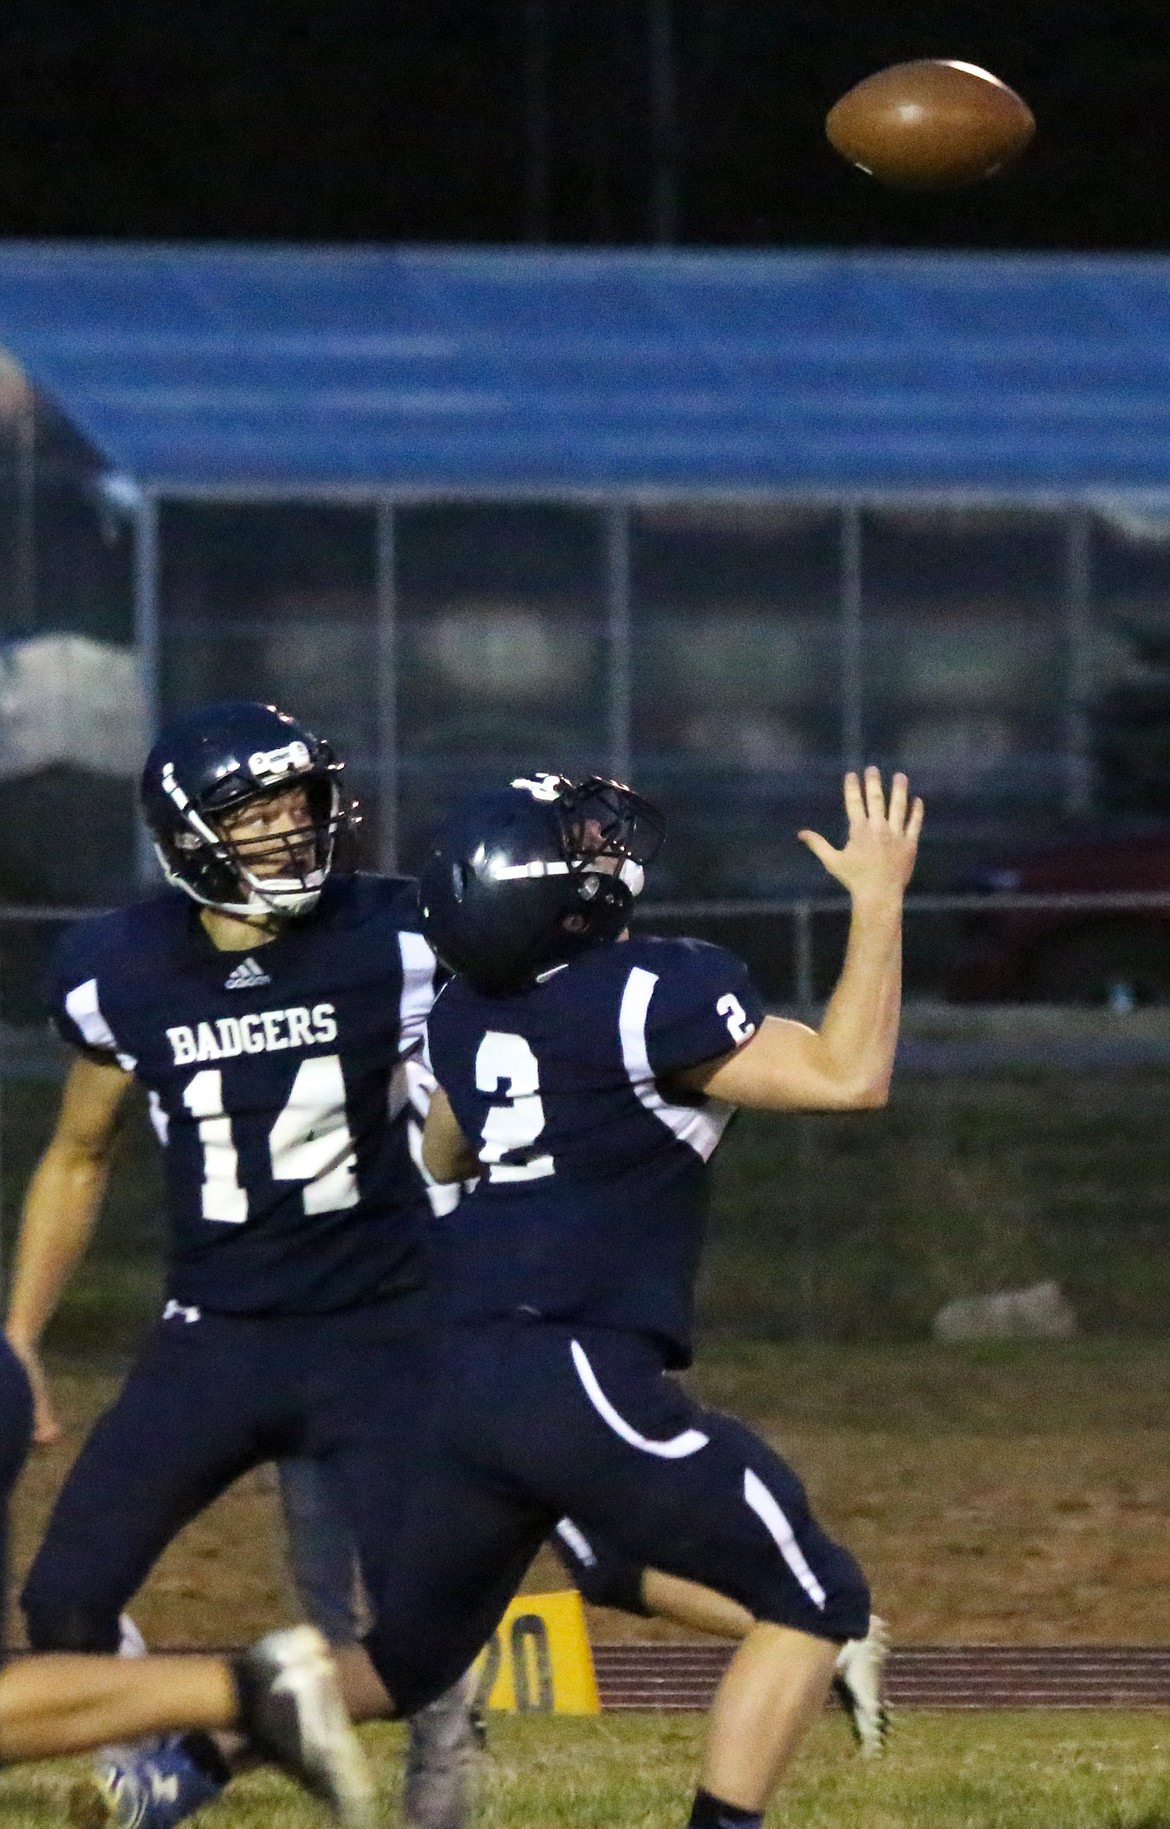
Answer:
(1007, 1771)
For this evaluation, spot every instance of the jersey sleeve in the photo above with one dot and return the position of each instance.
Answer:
(703, 1005)
(438, 1053)
(420, 981)
(74, 1002)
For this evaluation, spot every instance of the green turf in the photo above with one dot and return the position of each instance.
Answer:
(1077, 1770)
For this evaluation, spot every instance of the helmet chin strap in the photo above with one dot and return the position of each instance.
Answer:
(266, 896)
(633, 876)
(277, 899)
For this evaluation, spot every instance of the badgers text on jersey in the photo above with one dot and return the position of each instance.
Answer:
(265, 1032)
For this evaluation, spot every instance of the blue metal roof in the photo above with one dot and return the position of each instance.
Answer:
(358, 368)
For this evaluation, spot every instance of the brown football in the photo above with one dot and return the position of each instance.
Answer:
(930, 123)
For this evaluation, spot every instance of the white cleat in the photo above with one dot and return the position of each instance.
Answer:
(292, 1712)
(857, 1685)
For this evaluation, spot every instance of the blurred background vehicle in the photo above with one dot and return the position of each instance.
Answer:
(1119, 957)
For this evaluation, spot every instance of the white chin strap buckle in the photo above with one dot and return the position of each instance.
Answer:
(633, 876)
(284, 895)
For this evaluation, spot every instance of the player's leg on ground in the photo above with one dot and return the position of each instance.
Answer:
(65, 1702)
(630, 1457)
(858, 1679)
(283, 1694)
(167, 1447)
(605, 1578)
(772, 1691)
(442, 1739)
(157, 1784)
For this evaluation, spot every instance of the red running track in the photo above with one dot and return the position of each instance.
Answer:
(683, 1676)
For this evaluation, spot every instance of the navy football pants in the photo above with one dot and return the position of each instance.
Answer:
(534, 1421)
(323, 1560)
(207, 1400)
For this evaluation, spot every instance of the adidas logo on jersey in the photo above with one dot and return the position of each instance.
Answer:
(248, 976)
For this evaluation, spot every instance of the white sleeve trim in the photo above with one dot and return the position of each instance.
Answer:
(418, 990)
(83, 1008)
(699, 1126)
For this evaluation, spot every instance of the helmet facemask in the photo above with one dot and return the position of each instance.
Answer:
(611, 834)
(279, 871)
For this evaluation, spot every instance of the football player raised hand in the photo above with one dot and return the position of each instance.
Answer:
(878, 856)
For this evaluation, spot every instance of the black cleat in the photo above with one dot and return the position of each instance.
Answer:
(292, 1712)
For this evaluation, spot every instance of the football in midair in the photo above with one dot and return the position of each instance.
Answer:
(931, 123)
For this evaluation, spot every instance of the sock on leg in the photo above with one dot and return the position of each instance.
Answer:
(709, 1812)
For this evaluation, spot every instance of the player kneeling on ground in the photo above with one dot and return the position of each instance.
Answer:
(587, 1084)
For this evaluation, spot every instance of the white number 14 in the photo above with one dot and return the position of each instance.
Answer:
(309, 1142)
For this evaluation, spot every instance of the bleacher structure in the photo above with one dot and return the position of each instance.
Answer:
(325, 373)
(725, 521)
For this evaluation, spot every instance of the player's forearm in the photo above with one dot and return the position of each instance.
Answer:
(446, 1152)
(60, 1211)
(859, 1032)
(448, 1159)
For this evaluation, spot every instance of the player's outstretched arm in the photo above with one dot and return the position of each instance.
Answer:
(60, 1210)
(447, 1153)
(845, 1064)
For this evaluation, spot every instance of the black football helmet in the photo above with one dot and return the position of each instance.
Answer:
(219, 759)
(529, 875)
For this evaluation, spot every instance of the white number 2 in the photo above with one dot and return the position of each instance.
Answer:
(736, 1017)
(518, 1123)
(309, 1142)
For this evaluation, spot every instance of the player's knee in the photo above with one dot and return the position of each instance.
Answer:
(829, 1600)
(414, 1675)
(610, 1580)
(69, 1628)
(604, 1577)
(847, 1598)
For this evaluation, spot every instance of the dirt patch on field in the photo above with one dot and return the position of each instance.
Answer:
(1018, 1497)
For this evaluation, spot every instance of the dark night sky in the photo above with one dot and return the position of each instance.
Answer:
(377, 120)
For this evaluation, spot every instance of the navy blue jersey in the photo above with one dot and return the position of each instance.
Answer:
(593, 1197)
(277, 1086)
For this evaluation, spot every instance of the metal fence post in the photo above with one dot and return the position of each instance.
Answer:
(806, 1140)
(802, 957)
(1078, 685)
(386, 687)
(3, 1102)
(852, 733)
(147, 638)
(617, 595)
